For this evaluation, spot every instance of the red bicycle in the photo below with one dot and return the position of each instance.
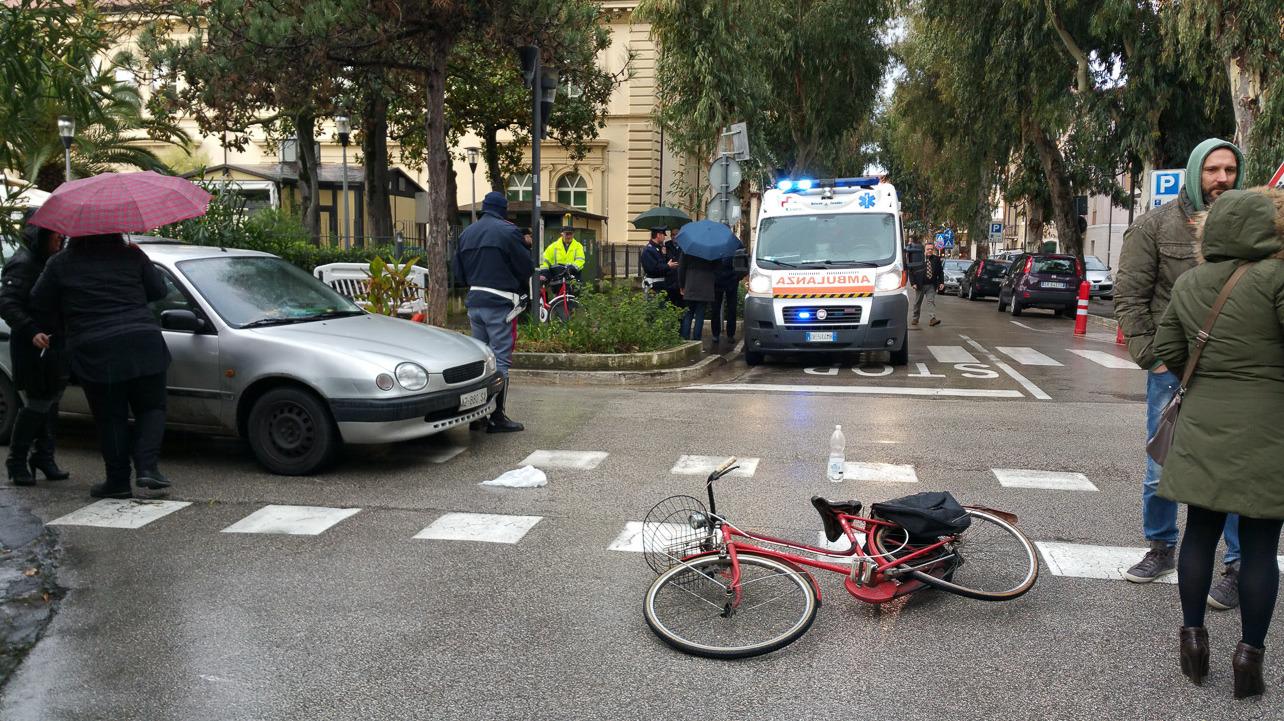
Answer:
(722, 595)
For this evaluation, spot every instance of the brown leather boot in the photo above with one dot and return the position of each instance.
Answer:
(1247, 665)
(1194, 653)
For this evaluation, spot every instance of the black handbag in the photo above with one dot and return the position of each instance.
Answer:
(1158, 445)
(925, 516)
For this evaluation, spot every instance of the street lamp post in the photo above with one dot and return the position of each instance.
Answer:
(473, 153)
(344, 127)
(67, 131)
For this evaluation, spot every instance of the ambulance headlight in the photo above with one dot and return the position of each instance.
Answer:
(759, 283)
(890, 280)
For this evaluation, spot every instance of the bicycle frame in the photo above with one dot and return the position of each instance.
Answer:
(871, 577)
(564, 296)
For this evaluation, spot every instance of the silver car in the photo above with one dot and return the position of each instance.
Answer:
(953, 270)
(264, 351)
(1099, 277)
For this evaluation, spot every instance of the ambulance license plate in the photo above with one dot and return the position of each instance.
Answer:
(473, 399)
(820, 337)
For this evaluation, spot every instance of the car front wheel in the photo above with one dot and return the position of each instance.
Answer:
(292, 432)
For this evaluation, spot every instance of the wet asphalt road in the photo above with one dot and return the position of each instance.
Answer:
(179, 620)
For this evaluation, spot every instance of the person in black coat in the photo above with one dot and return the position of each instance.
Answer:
(726, 299)
(99, 290)
(35, 351)
(672, 281)
(657, 266)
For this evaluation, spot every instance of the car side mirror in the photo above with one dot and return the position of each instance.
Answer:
(740, 261)
(914, 258)
(184, 320)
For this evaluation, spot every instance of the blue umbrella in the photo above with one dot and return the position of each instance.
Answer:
(707, 239)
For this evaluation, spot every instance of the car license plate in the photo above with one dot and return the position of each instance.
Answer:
(1055, 285)
(473, 399)
(825, 337)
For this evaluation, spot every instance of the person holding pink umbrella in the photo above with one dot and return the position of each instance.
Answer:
(97, 292)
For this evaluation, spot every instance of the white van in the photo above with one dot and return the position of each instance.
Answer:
(827, 271)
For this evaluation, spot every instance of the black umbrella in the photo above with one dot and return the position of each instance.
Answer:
(661, 217)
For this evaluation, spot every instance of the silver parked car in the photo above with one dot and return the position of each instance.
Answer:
(953, 269)
(264, 351)
(1099, 277)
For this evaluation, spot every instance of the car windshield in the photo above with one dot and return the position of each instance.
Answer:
(251, 291)
(957, 266)
(849, 240)
(1054, 265)
(995, 267)
(1092, 262)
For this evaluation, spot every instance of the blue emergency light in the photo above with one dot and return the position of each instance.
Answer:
(805, 315)
(789, 185)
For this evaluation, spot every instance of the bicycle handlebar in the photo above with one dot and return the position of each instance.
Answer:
(725, 466)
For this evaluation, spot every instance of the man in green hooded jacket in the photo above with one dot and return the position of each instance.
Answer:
(1157, 249)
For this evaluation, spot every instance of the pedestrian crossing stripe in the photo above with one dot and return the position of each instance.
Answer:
(824, 295)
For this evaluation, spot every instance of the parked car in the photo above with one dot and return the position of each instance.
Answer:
(982, 278)
(1098, 274)
(952, 269)
(1039, 280)
(264, 351)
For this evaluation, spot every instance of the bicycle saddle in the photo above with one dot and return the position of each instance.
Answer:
(829, 511)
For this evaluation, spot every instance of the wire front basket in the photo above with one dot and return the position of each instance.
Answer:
(676, 528)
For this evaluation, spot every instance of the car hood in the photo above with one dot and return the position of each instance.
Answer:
(381, 340)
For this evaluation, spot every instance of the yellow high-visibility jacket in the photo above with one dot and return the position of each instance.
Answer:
(558, 253)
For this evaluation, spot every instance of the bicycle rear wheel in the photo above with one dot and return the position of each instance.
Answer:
(689, 606)
(992, 560)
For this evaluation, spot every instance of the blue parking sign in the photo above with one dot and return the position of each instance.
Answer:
(1165, 185)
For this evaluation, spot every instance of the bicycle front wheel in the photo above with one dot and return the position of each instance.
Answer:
(693, 607)
(992, 559)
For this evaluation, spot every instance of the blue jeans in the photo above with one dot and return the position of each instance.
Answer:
(1159, 515)
(692, 327)
(491, 326)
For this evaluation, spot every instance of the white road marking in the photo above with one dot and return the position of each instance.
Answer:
(119, 513)
(951, 354)
(862, 390)
(291, 520)
(1102, 358)
(1026, 356)
(630, 539)
(1023, 325)
(1053, 480)
(485, 527)
(1034, 390)
(579, 460)
(1083, 561)
(882, 472)
(704, 465)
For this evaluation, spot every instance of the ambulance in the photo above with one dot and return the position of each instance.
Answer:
(827, 272)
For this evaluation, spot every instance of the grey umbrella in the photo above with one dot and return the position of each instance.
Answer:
(661, 217)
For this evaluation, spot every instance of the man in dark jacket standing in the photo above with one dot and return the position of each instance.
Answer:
(38, 370)
(656, 264)
(726, 300)
(496, 266)
(673, 254)
(927, 282)
(696, 276)
(1157, 249)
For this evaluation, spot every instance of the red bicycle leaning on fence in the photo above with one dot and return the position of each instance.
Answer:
(720, 594)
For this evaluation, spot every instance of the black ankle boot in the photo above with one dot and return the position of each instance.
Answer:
(499, 422)
(25, 427)
(1194, 653)
(42, 451)
(1247, 667)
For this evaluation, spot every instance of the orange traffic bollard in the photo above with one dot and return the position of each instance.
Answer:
(1081, 319)
(418, 318)
(1119, 336)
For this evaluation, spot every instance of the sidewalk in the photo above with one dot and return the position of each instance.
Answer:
(29, 593)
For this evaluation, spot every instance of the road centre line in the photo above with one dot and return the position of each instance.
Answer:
(861, 390)
(1026, 356)
(1012, 373)
(951, 354)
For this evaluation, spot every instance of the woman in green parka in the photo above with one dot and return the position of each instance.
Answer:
(1228, 449)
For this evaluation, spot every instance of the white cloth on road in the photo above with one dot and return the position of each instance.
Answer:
(524, 477)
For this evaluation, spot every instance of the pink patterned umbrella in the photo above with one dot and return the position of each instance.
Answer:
(120, 203)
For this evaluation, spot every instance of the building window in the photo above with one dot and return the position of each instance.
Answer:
(519, 186)
(572, 190)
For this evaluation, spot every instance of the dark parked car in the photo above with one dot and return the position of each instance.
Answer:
(982, 278)
(1038, 280)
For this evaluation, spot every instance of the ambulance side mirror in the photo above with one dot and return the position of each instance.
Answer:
(914, 258)
(740, 262)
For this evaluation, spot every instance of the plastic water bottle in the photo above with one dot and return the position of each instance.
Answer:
(837, 446)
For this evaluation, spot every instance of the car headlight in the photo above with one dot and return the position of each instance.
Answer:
(1109, 278)
(412, 376)
(889, 280)
(491, 364)
(759, 283)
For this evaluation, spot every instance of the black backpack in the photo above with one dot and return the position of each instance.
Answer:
(926, 516)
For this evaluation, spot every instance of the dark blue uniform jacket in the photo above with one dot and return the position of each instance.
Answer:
(491, 254)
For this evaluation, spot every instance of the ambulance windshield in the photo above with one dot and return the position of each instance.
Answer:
(839, 240)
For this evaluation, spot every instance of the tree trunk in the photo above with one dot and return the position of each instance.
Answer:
(1054, 172)
(979, 231)
(374, 152)
(1246, 99)
(490, 149)
(309, 183)
(438, 183)
(1034, 221)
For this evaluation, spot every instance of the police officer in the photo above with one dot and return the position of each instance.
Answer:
(496, 266)
(656, 264)
(673, 253)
